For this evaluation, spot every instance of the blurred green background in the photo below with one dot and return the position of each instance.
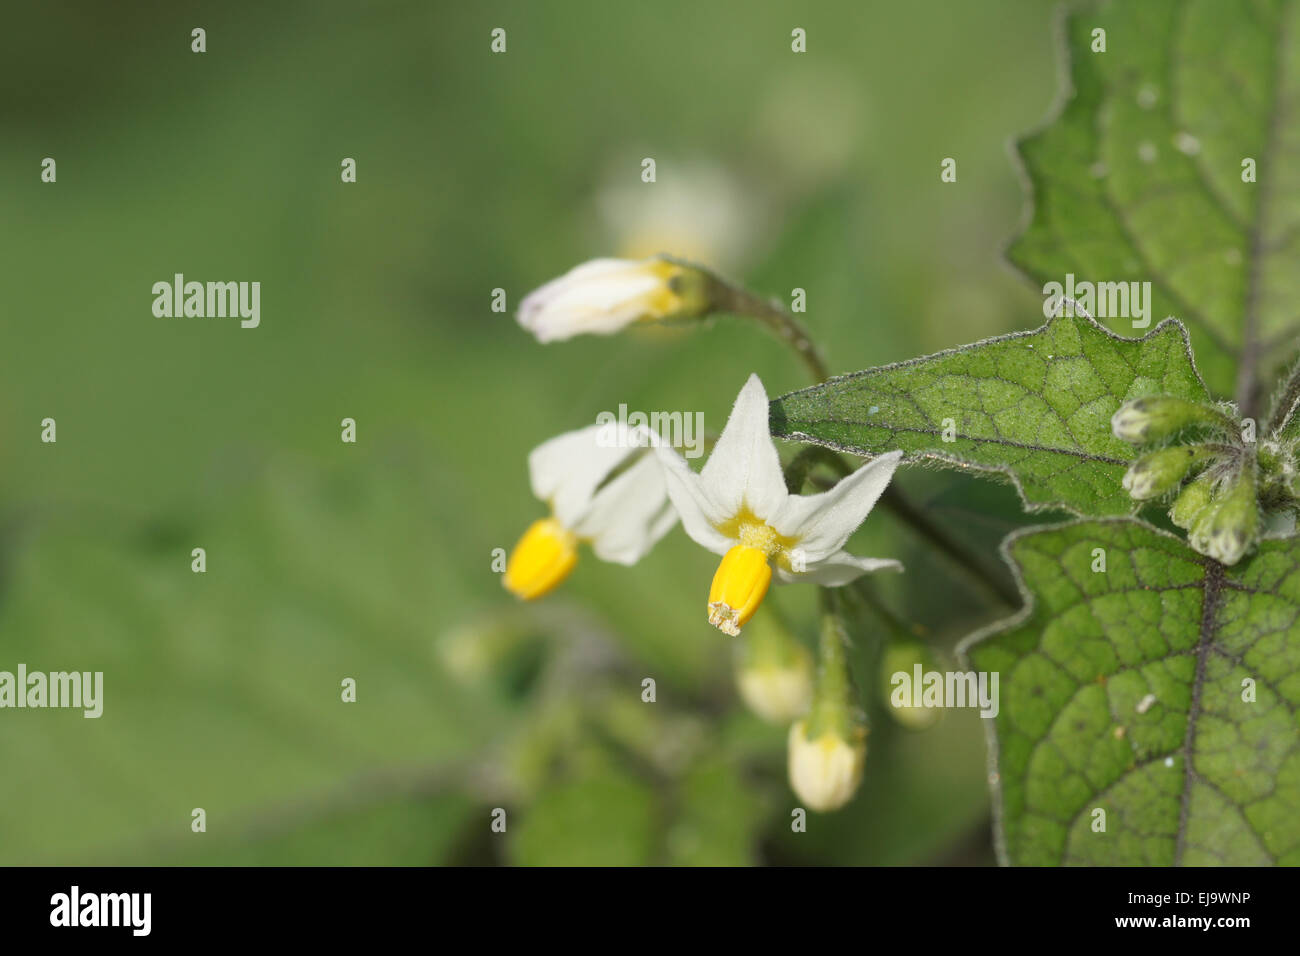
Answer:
(372, 561)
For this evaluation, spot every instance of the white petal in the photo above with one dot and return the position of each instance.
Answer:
(744, 468)
(837, 569)
(600, 297)
(822, 523)
(566, 470)
(699, 513)
(630, 514)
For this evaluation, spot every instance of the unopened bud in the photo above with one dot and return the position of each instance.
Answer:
(1160, 471)
(774, 672)
(826, 768)
(1228, 528)
(904, 707)
(1192, 501)
(1157, 417)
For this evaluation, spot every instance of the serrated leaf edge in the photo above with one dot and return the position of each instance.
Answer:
(1005, 470)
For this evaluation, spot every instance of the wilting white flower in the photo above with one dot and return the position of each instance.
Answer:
(609, 493)
(825, 771)
(738, 507)
(604, 296)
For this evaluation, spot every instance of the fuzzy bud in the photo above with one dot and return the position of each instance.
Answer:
(1157, 417)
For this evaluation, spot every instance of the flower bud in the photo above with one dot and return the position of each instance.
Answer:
(825, 770)
(1157, 417)
(774, 672)
(1228, 528)
(1192, 501)
(604, 296)
(1160, 471)
(904, 659)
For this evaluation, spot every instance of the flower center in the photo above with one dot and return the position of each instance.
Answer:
(759, 536)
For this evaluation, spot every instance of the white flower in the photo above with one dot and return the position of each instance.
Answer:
(604, 487)
(825, 771)
(738, 506)
(604, 296)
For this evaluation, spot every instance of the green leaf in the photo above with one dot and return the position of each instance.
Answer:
(1034, 406)
(604, 818)
(718, 815)
(1139, 176)
(1125, 691)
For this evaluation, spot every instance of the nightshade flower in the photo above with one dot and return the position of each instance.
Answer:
(605, 296)
(605, 487)
(738, 507)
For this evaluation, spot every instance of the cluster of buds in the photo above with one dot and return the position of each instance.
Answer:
(1207, 462)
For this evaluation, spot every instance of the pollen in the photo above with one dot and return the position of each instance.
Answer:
(738, 588)
(541, 560)
(761, 537)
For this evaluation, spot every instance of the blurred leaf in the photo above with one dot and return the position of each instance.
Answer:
(1140, 178)
(604, 818)
(222, 690)
(400, 830)
(1034, 406)
(1123, 691)
(717, 815)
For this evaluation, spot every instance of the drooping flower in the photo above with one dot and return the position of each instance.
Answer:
(604, 296)
(604, 487)
(738, 507)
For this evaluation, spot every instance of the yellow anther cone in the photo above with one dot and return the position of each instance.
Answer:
(738, 588)
(542, 559)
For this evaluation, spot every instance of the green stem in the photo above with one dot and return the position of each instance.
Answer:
(1284, 406)
(893, 623)
(730, 298)
(833, 694)
(808, 458)
(906, 511)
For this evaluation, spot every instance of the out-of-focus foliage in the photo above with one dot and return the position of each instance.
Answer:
(329, 560)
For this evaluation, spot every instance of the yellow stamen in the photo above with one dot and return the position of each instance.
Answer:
(738, 588)
(542, 559)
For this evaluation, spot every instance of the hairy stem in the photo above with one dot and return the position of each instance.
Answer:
(1285, 403)
(977, 570)
(729, 298)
